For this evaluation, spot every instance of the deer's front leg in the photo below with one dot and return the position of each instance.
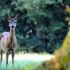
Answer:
(0, 55)
(7, 54)
(13, 57)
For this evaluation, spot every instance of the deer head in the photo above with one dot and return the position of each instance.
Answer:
(12, 21)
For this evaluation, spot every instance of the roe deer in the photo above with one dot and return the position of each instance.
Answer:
(8, 40)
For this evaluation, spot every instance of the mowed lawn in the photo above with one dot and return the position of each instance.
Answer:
(24, 61)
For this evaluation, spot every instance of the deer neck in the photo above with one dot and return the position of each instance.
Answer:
(12, 34)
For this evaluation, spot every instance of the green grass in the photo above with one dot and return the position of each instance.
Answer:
(22, 61)
(18, 65)
(28, 61)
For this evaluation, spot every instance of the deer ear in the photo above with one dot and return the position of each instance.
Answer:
(8, 18)
(16, 17)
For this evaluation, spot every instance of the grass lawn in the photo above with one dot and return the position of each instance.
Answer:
(24, 61)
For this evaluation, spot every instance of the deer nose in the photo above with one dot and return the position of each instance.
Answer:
(12, 26)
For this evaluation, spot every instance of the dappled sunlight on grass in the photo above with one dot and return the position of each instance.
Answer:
(31, 57)
(26, 61)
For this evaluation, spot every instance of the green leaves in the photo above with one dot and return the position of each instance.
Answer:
(42, 17)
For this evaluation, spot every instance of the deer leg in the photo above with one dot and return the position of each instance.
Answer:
(13, 57)
(7, 54)
(0, 55)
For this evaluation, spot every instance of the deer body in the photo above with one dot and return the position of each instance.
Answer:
(8, 40)
(3, 41)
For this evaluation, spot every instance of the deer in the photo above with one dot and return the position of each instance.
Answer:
(8, 41)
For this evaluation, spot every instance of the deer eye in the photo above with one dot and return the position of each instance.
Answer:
(15, 20)
(9, 21)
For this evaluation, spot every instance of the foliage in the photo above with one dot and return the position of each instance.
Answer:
(61, 61)
(41, 26)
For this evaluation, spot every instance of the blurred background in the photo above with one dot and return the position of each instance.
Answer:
(41, 24)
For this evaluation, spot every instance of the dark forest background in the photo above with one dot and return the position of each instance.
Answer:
(41, 24)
